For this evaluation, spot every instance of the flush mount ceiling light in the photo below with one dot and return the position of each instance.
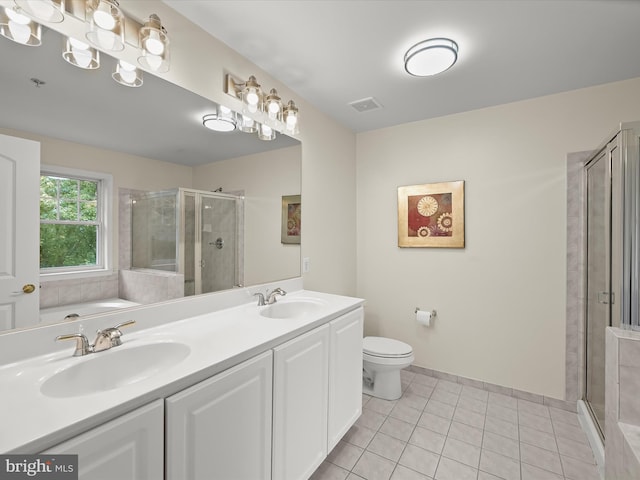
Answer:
(105, 24)
(127, 75)
(19, 28)
(80, 54)
(223, 120)
(154, 46)
(43, 10)
(431, 57)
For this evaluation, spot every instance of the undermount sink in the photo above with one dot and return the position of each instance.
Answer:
(292, 308)
(114, 368)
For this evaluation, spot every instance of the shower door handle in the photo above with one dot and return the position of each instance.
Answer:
(606, 298)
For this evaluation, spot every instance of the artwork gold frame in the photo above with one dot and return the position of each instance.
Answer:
(291, 219)
(431, 215)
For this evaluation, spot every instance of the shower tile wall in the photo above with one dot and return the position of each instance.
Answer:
(622, 448)
(219, 221)
(64, 292)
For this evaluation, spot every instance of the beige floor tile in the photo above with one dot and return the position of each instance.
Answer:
(501, 412)
(427, 439)
(539, 457)
(496, 464)
(359, 436)
(441, 409)
(387, 446)
(576, 470)
(374, 467)
(404, 473)
(461, 452)
(329, 471)
(529, 472)
(420, 460)
(501, 427)
(466, 433)
(538, 438)
(468, 417)
(345, 455)
(502, 445)
(451, 470)
(405, 413)
(578, 450)
(434, 422)
(397, 429)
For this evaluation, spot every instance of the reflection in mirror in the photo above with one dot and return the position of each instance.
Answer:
(149, 139)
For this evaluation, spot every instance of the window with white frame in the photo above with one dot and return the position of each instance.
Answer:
(73, 220)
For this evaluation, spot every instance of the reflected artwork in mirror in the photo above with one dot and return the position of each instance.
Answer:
(149, 139)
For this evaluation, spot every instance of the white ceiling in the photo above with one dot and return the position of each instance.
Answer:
(332, 53)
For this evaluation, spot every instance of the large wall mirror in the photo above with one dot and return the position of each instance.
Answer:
(149, 139)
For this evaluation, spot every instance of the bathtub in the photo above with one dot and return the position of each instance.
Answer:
(57, 314)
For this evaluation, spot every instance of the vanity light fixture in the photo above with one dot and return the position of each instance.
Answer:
(80, 54)
(19, 28)
(154, 45)
(105, 24)
(127, 74)
(431, 57)
(44, 10)
(259, 110)
(224, 120)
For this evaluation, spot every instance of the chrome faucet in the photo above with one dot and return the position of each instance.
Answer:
(271, 297)
(105, 339)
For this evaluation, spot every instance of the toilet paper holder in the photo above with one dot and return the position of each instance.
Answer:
(433, 312)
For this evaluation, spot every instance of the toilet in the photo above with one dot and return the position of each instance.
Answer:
(382, 360)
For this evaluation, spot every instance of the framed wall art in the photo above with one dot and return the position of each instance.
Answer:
(291, 219)
(431, 215)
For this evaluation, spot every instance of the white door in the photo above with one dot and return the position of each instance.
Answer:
(300, 384)
(220, 429)
(19, 232)
(128, 448)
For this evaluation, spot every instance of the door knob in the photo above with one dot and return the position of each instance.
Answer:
(28, 288)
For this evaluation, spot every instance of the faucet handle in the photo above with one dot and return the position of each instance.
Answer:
(111, 336)
(82, 343)
(260, 298)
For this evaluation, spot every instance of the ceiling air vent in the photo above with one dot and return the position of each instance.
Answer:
(365, 104)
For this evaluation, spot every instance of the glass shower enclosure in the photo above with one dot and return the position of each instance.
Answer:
(194, 233)
(612, 248)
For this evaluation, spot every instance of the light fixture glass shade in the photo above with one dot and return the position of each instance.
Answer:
(290, 118)
(273, 105)
(265, 132)
(431, 57)
(105, 24)
(247, 124)
(154, 46)
(19, 28)
(80, 54)
(251, 96)
(127, 74)
(43, 10)
(223, 120)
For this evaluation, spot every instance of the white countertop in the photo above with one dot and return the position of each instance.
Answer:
(31, 422)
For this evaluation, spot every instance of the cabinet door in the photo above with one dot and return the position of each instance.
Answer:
(345, 374)
(220, 429)
(128, 448)
(300, 405)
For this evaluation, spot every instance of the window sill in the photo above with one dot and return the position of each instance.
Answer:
(53, 277)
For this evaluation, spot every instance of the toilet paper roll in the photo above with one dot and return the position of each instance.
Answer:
(423, 317)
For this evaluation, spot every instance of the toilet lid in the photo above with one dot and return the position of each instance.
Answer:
(385, 347)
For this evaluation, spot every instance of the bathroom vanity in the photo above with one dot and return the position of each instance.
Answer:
(225, 389)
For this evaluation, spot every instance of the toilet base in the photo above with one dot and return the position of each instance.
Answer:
(386, 385)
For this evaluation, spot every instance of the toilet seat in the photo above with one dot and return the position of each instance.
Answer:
(385, 348)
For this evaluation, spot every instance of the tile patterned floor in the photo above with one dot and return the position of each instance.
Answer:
(447, 431)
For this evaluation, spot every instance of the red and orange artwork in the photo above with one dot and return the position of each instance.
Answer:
(430, 215)
(294, 219)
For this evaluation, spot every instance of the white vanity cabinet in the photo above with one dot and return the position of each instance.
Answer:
(130, 447)
(345, 374)
(220, 429)
(300, 404)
